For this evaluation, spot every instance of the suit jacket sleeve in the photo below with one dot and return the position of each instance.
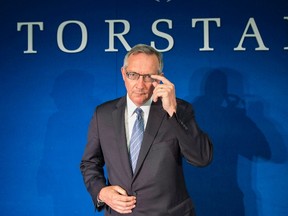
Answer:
(92, 163)
(195, 145)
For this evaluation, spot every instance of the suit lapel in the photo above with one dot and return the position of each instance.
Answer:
(119, 127)
(155, 119)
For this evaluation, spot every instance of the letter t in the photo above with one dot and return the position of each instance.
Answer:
(206, 30)
(29, 33)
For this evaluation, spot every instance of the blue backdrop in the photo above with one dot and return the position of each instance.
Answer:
(59, 59)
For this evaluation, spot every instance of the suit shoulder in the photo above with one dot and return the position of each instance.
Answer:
(184, 109)
(111, 104)
(183, 103)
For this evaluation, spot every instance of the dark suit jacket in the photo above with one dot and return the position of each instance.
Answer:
(158, 182)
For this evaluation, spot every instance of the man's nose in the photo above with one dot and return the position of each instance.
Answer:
(140, 81)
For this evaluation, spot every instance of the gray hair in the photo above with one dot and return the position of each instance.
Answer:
(143, 48)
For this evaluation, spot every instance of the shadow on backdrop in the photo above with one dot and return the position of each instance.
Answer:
(59, 174)
(216, 189)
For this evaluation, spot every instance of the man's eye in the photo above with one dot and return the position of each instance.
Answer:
(133, 74)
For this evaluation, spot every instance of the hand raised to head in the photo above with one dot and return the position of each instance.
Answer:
(165, 90)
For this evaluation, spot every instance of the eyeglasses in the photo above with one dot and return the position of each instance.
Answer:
(135, 76)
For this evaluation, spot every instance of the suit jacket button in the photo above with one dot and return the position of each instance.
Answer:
(134, 193)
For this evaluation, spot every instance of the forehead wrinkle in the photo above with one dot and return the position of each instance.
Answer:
(142, 63)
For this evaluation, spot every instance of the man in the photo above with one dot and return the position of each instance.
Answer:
(153, 185)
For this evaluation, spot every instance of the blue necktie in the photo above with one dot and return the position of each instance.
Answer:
(136, 138)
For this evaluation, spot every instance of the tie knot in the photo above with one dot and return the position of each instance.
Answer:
(138, 111)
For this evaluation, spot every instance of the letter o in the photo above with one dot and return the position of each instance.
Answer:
(60, 36)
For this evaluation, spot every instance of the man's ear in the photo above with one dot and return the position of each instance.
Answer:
(123, 72)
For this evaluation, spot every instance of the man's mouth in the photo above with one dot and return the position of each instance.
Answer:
(140, 93)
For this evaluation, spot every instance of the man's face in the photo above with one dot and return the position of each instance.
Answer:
(138, 90)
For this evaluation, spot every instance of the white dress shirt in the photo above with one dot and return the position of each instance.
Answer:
(130, 116)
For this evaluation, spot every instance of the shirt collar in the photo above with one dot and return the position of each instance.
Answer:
(131, 106)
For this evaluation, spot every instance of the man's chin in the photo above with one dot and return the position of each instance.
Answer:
(140, 99)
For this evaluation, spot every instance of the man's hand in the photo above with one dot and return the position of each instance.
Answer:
(117, 198)
(165, 91)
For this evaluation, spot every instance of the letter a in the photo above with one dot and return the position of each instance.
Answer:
(255, 34)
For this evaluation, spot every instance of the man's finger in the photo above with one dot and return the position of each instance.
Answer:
(160, 78)
(120, 190)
